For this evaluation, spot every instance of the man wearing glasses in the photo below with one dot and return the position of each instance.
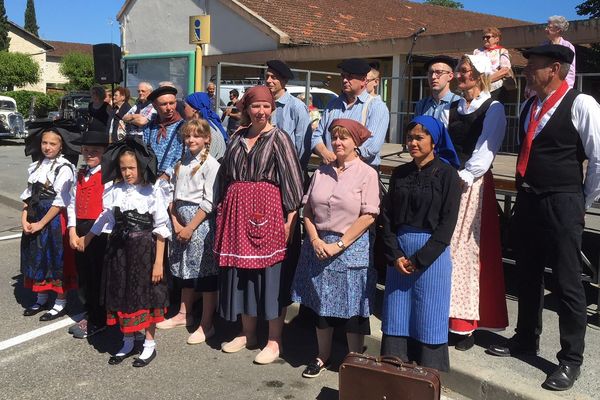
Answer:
(439, 75)
(142, 112)
(354, 103)
(559, 128)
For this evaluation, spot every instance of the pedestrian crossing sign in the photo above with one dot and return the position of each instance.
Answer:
(199, 29)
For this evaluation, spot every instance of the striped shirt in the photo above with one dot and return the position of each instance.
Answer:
(291, 116)
(272, 159)
(169, 149)
(377, 121)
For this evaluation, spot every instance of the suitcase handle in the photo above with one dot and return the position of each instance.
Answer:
(397, 362)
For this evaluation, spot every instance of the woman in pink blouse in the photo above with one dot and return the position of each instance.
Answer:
(334, 278)
(557, 26)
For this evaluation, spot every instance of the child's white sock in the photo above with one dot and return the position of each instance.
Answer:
(42, 298)
(59, 304)
(127, 345)
(149, 346)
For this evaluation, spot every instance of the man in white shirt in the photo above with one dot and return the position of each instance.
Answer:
(559, 129)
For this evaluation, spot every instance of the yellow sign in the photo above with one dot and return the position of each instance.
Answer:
(200, 29)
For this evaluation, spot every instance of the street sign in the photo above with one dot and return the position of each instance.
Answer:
(199, 29)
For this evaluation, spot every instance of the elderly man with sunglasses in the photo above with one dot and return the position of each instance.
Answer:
(354, 103)
(440, 72)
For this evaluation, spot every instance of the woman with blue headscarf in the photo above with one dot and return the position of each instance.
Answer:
(419, 215)
(197, 105)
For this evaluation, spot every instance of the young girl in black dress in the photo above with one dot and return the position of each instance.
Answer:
(135, 207)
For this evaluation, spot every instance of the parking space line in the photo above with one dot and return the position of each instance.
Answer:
(40, 332)
(9, 237)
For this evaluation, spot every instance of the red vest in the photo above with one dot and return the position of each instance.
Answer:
(88, 199)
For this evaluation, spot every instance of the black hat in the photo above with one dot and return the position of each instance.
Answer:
(156, 93)
(375, 65)
(143, 153)
(93, 138)
(355, 66)
(449, 61)
(281, 69)
(555, 52)
(33, 141)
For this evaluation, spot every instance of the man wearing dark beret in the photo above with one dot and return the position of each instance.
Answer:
(440, 72)
(162, 133)
(291, 114)
(354, 103)
(559, 128)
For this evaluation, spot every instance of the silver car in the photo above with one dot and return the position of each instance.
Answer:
(12, 124)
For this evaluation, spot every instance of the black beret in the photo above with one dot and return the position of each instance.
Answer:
(375, 65)
(555, 52)
(355, 66)
(281, 69)
(93, 138)
(156, 93)
(449, 61)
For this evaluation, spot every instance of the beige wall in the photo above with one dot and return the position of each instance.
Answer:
(22, 45)
(52, 74)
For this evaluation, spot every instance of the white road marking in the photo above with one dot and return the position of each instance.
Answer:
(10, 237)
(40, 332)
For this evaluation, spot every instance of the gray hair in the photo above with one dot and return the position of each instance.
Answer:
(564, 70)
(147, 84)
(99, 91)
(559, 21)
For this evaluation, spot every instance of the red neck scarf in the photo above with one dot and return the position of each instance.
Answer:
(533, 124)
(495, 47)
(162, 125)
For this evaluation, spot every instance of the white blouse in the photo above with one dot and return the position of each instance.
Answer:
(199, 188)
(61, 182)
(152, 199)
(490, 140)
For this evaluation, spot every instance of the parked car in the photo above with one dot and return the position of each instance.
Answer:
(12, 124)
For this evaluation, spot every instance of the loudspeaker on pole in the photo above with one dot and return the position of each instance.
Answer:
(107, 63)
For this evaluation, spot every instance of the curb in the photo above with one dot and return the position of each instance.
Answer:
(10, 202)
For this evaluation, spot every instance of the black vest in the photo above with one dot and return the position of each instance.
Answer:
(465, 129)
(557, 154)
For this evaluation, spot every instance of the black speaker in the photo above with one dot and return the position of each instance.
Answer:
(107, 63)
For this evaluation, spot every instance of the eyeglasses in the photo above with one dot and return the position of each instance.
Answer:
(552, 28)
(438, 73)
(487, 37)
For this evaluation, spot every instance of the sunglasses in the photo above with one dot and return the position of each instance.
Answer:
(487, 37)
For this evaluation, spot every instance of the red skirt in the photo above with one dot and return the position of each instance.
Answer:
(250, 229)
(493, 314)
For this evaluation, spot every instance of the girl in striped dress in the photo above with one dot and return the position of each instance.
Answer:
(419, 214)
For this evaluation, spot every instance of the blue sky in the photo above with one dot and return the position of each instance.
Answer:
(94, 21)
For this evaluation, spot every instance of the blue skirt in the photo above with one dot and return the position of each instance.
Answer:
(342, 286)
(418, 305)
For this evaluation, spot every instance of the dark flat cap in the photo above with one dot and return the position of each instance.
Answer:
(355, 66)
(156, 93)
(281, 69)
(555, 52)
(449, 61)
(93, 138)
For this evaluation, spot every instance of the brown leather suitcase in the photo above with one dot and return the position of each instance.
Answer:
(364, 377)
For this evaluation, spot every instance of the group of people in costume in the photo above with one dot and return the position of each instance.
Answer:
(227, 225)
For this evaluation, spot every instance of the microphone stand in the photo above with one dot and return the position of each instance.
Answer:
(407, 63)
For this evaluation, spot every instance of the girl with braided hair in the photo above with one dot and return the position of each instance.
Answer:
(191, 257)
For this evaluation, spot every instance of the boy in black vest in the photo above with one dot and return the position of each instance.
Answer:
(559, 128)
(85, 207)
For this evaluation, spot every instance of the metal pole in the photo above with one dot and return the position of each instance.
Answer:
(218, 86)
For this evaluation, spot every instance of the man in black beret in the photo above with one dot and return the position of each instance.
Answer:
(354, 103)
(291, 114)
(162, 133)
(440, 72)
(559, 128)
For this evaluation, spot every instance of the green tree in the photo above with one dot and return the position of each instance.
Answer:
(445, 3)
(79, 70)
(590, 8)
(30, 20)
(17, 69)
(4, 39)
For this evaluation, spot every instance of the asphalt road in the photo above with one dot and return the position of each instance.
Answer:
(40, 360)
